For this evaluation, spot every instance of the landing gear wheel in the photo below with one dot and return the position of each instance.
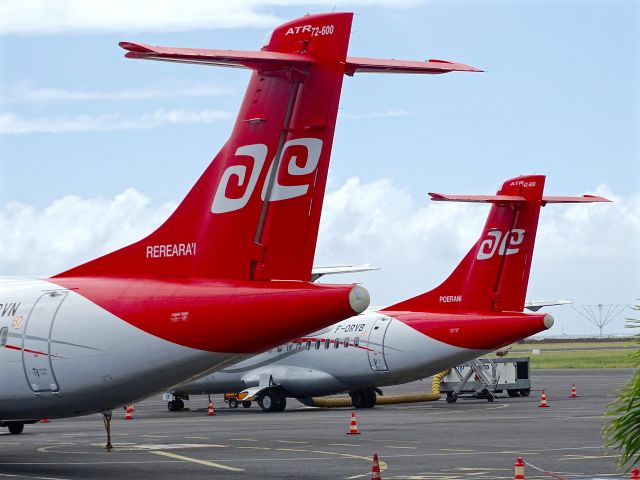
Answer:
(452, 398)
(15, 428)
(489, 398)
(525, 392)
(233, 403)
(513, 393)
(273, 401)
(246, 403)
(363, 398)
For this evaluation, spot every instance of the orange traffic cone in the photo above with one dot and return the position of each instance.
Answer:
(574, 394)
(375, 468)
(635, 474)
(518, 469)
(543, 400)
(129, 413)
(210, 411)
(353, 426)
(44, 420)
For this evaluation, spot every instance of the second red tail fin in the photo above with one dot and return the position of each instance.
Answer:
(494, 275)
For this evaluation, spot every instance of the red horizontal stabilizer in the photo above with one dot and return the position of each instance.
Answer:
(439, 197)
(226, 58)
(582, 199)
(376, 65)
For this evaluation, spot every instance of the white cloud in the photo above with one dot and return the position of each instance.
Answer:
(64, 16)
(13, 124)
(72, 230)
(585, 252)
(24, 92)
(366, 116)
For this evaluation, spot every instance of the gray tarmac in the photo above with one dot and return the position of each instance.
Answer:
(471, 439)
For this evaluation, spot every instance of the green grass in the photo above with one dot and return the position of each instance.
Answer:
(584, 359)
(572, 357)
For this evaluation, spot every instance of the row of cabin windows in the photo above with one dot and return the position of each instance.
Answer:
(327, 343)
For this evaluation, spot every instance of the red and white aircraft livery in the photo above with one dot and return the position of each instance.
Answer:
(238, 251)
(475, 311)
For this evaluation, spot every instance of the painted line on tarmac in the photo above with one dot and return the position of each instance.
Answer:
(587, 457)
(398, 446)
(198, 461)
(290, 441)
(344, 445)
(25, 476)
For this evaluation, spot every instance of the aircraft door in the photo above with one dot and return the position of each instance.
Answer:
(36, 342)
(376, 345)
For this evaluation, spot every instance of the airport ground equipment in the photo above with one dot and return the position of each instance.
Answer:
(485, 377)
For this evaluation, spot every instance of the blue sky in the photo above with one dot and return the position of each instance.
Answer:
(86, 133)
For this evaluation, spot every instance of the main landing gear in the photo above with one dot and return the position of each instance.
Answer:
(365, 398)
(175, 405)
(15, 428)
(272, 400)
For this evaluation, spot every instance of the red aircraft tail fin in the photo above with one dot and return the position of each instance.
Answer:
(494, 275)
(254, 213)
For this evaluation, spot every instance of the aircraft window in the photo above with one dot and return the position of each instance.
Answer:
(4, 331)
(356, 341)
(279, 348)
(327, 343)
(308, 344)
(346, 342)
(336, 343)
(317, 344)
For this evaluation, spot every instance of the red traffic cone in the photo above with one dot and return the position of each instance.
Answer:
(44, 420)
(129, 413)
(210, 411)
(375, 468)
(635, 474)
(518, 469)
(574, 394)
(543, 400)
(353, 426)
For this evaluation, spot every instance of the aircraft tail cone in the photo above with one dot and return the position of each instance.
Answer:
(375, 468)
(210, 411)
(128, 415)
(518, 467)
(574, 394)
(353, 426)
(543, 400)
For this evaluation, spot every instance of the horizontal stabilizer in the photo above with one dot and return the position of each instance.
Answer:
(439, 197)
(225, 58)
(318, 272)
(534, 306)
(582, 199)
(376, 65)
(264, 60)
(502, 199)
